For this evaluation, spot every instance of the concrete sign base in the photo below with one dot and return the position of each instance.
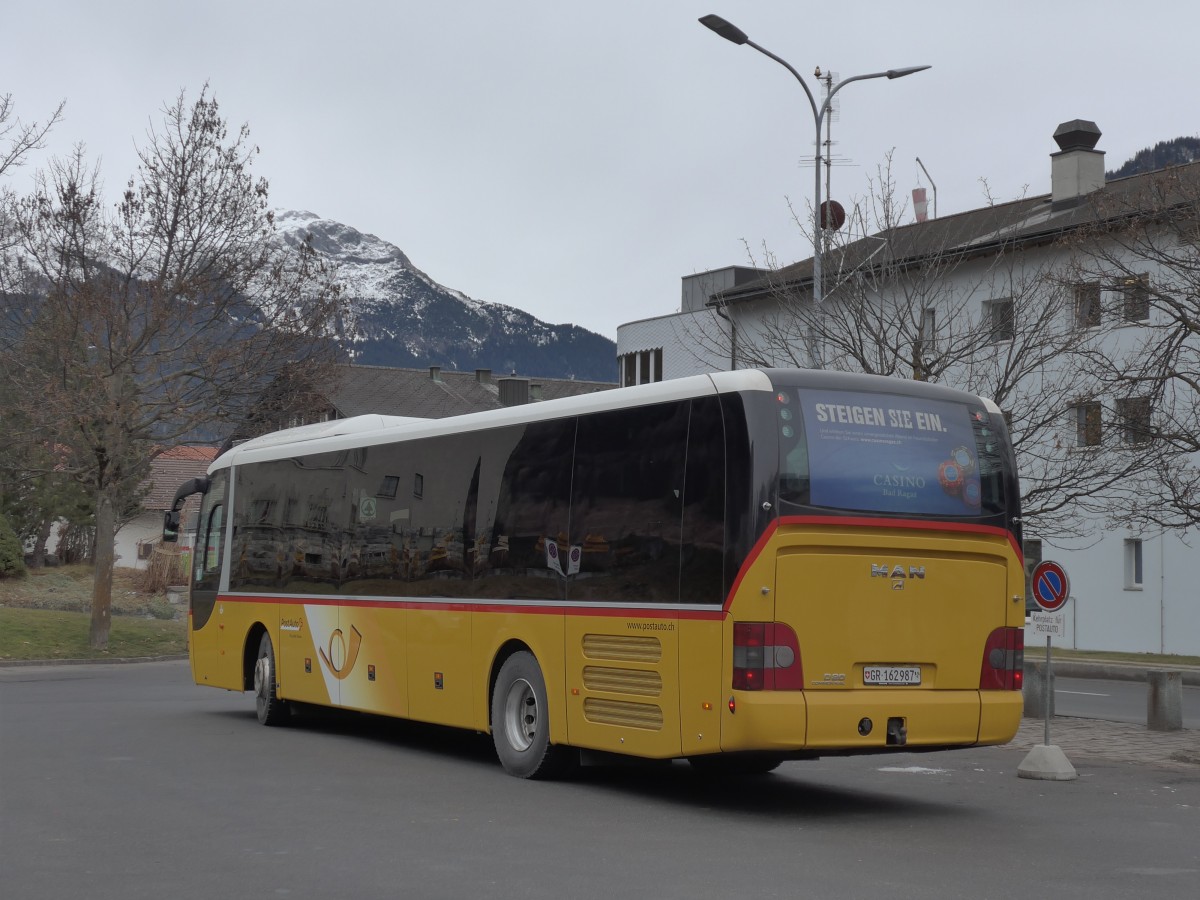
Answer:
(1047, 763)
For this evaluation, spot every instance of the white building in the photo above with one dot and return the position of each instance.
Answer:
(1033, 303)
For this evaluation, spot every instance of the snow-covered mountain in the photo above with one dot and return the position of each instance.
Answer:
(402, 317)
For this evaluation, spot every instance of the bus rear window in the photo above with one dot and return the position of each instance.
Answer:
(889, 453)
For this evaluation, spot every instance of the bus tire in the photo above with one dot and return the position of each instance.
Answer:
(521, 722)
(735, 764)
(270, 709)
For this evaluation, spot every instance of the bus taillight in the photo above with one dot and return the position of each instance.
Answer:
(766, 657)
(1003, 660)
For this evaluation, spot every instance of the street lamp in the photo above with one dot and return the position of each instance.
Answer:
(734, 34)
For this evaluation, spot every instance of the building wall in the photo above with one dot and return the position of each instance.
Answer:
(1162, 615)
(692, 343)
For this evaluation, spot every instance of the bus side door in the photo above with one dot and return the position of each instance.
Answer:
(213, 660)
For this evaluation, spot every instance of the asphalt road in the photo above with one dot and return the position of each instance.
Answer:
(129, 782)
(1115, 701)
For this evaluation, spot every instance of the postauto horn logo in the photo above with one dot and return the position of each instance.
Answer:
(341, 656)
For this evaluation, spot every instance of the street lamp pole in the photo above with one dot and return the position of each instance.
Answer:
(734, 34)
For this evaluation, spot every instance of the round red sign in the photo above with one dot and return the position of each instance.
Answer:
(1051, 587)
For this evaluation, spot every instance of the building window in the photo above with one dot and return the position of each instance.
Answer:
(928, 329)
(261, 512)
(628, 370)
(1087, 304)
(1135, 298)
(1087, 423)
(388, 487)
(643, 367)
(418, 485)
(1134, 416)
(1001, 319)
(1133, 564)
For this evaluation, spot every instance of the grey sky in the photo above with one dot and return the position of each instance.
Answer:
(575, 160)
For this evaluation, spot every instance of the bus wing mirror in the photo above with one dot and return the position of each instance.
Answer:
(170, 526)
(171, 517)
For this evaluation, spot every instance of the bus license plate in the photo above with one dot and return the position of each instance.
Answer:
(902, 675)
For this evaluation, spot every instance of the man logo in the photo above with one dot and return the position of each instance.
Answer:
(897, 571)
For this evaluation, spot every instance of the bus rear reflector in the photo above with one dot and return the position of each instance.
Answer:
(766, 657)
(1003, 660)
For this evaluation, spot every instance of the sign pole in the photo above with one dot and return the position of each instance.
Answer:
(1051, 589)
(1049, 695)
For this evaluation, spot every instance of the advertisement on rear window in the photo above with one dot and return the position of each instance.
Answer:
(891, 454)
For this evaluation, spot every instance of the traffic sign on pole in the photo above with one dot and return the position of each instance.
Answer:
(1051, 587)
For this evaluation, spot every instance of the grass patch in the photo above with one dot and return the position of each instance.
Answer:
(1144, 659)
(49, 634)
(47, 614)
(69, 589)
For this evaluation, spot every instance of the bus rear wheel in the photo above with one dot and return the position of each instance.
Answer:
(270, 709)
(521, 722)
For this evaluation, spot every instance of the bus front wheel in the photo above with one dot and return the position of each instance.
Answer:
(271, 710)
(521, 722)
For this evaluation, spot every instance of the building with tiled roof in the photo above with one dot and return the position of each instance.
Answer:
(431, 393)
(170, 469)
(137, 538)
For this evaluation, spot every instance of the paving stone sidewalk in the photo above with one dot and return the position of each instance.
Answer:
(1096, 739)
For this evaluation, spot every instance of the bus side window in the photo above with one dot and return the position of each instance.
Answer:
(627, 503)
(703, 526)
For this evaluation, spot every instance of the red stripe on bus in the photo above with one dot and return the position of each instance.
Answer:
(533, 608)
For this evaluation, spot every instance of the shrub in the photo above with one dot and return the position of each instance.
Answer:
(168, 565)
(76, 544)
(12, 556)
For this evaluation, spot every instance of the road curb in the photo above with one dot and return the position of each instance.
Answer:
(119, 660)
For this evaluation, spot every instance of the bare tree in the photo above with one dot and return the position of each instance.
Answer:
(17, 140)
(29, 501)
(1143, 250)
(161, 319)
(965, 302)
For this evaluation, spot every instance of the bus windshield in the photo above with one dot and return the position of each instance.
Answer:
(890, 453)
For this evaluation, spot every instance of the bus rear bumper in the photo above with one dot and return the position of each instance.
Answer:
(868, 720)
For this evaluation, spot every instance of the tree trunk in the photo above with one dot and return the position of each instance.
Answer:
(38, 557)
(102, 575)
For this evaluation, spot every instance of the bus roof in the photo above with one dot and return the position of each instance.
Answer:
(367, 430)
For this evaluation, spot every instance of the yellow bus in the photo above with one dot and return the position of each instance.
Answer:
(736, 569)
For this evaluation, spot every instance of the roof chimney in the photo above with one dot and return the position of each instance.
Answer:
(483, 376)
(435, 373)
(1077, 168)
(513, 391)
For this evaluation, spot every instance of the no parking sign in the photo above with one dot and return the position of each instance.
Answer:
(1051, 587)
(1051, 590)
